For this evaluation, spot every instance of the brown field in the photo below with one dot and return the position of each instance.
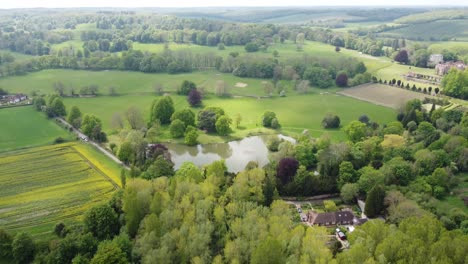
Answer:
(384, 95)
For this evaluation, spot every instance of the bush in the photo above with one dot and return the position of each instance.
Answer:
(177, 128)
(273, 144)
(59, 140)
(267, 118)
(251, 47)
(331, 121)
(341, 80)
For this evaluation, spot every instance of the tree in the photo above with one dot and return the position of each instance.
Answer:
(117, 121)
(375, 201)
(102, 222)
(349, 192)
(402, 57)
(331, 121)
(355, 131)
(207, 118)
(113, 91)
(286, 170)
(223, 125)
(191, 136)
(23, 248)
(56, 108)
(237, 120)
(267, 118)
(221, 88)
(5, 244)
(134, 117)
(251, 47)
(39, 103)
(160, 167)
(177, 128)
(269, 251)
(126, 154)
(337, 49)
(74, 117)
(303, 86)
(329, 205)
(364, 119)
(318, 76)
(109, 253)
(341, 80)
(162, 109)
(186, 87)
(347, 174)
(187, 116)
(92, 127)
(194, 98)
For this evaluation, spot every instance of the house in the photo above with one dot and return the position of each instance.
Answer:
(333, 218)
(443, 68)
(435, 59)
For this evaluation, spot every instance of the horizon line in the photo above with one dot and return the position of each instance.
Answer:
(275, 6)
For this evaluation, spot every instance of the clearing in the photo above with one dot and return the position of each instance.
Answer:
(384, 95)
(25, 127)
(40, 187)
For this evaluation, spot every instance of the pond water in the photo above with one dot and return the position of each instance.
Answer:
(235, 153)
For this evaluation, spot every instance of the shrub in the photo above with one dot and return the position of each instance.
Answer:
(331, 121)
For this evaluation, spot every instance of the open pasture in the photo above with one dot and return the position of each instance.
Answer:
(384, 95)
(40, 187)
(22, 127)
(295, 112)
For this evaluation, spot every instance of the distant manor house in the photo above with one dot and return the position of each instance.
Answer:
(443, 68)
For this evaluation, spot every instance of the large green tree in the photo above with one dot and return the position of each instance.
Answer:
(23, 248)
(375, 201)
(162, 109)
(102, 222)
(74, 117)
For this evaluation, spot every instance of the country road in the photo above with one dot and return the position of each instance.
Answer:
(96, 145)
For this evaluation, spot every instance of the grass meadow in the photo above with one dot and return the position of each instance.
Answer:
(42, 186)
(295, 112)
(23, 127)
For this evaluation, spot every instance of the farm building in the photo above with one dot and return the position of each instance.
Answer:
(13, 99)
(334, 218)
(443, 68)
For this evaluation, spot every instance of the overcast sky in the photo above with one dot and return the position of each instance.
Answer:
(192, 3)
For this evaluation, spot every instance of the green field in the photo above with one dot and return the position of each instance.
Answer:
(434, 30)
(295, 112)
(25, 127)
(126, 82)
(40, 187)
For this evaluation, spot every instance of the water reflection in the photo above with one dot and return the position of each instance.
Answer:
(236, 153)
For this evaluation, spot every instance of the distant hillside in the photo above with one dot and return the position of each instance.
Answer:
(434, 16)
(432, 31)
(296, 15)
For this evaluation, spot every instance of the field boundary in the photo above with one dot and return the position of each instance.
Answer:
(92, 165)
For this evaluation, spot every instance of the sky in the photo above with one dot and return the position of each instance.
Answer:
(205, 3)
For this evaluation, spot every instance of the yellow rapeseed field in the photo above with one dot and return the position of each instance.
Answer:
(40, 187)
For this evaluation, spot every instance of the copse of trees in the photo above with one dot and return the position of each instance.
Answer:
(455, 83)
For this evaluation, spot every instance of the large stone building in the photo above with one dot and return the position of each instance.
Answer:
(443, 68)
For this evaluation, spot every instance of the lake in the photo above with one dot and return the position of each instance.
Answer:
(235, 153)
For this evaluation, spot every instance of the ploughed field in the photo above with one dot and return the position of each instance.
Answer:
(384, 95)
(42, 186)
